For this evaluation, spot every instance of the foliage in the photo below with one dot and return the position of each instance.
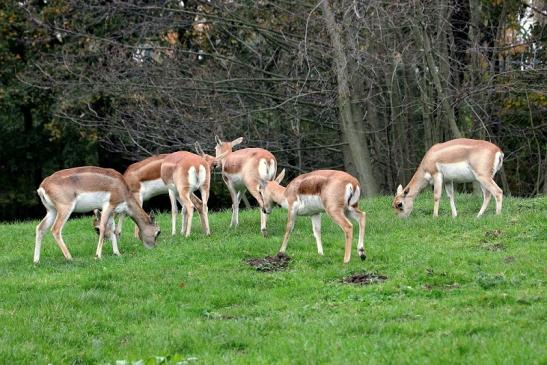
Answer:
(32, 143)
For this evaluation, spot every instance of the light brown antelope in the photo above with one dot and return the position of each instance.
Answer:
(183, 173)
(334, 192)
(245, 169)
(144, 180)
(459, 160)
(83, 189)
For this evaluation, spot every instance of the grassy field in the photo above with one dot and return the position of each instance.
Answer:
(461, 290)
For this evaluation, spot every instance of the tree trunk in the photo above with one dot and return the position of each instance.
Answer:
(352, 131)
(423, 38)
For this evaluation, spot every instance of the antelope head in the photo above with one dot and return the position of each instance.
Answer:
(266, 192)
(402, 203)
(150, 232)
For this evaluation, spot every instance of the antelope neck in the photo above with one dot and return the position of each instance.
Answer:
(278, 193)
(416, 184)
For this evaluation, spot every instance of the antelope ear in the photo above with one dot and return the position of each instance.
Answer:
(217, 140)
(97, 213)
(399, 189)
(236, 141)
(153, 216)
(405, 192)
(280, 177)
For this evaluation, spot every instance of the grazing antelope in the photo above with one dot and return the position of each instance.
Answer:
(245, 169)
(334, 192)
(459, 160)
(144, 180)
(83, 189)
(183, 173)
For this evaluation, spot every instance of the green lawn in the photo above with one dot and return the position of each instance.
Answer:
(461, 290)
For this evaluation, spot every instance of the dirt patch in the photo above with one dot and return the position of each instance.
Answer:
(493, 234)
(364, 279)
(270, 263)
(509, 259)
(494, 247)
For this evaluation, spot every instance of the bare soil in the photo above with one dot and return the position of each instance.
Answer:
(364, 279)
(270, 263)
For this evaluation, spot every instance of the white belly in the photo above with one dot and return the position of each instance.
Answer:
(458, 172)
(86, 202)
(152, 188)
(237, 181)
(309, 205)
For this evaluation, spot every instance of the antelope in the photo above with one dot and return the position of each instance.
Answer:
(335, 192)
(83, 189)
(245, 169)
(459, 160)
(144, 180)
(183, 173)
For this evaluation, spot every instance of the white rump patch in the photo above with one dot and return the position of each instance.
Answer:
(86, 202)
(202, 175)
(272, 170)
(45, 199)
(196, 179)
(152, 188)
(351, 197)
(193, 180)
(458, 172)
(498, 162)
(263, 169)
(309, 205)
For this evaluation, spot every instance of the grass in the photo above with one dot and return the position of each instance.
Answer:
(461, 290)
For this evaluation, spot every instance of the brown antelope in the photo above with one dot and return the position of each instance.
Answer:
(245, 169)
(83, 189)
(183, 173)
(144, 180)
(459, 160)
(334, 192)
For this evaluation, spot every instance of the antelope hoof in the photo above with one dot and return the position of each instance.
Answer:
(117, 254)
(363, 257)
(264, 233)
(97, 257)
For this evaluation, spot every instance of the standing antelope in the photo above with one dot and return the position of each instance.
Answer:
(183, 173)
(334, 192)
(144, 180)
(83, 189)
(458, 160)
(245, 169)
